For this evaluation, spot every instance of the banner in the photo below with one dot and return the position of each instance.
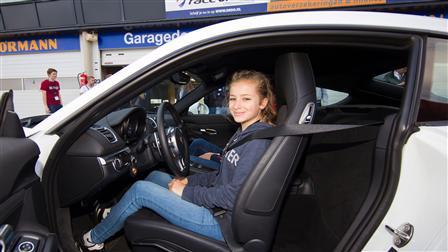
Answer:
(138, 39)
(288, 5)
(42, 44)
(180, 9)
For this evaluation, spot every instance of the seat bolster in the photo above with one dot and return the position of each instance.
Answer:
(147, 229)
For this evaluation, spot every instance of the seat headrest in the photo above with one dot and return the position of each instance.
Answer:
(294, 85)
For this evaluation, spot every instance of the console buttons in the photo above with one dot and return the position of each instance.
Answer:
(26, 246)
(117, 164)
(27, 243)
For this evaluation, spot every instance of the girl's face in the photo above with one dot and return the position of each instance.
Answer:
(245, 103)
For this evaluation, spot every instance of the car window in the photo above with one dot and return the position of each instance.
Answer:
(217, 101)
(434, 96)
(169, 90)
(214, 103)
(326, 97)
(394, 77)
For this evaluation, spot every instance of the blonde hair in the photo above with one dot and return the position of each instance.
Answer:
(264, 87)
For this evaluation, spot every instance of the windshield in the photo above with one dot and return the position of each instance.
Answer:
(170, 90)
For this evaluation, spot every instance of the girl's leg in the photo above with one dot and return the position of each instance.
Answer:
(167, 204)
(213, 147)
(200, 146)
(157, 177)
(160, 178)
(205, 162)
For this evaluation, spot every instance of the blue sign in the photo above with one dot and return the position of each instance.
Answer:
(41, 44)
(138, 39)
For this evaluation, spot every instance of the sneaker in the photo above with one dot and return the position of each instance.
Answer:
(85, 244)
(101, 213)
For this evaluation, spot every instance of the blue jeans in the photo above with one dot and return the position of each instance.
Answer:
(200, 146)
(54, 108)
(152, 193)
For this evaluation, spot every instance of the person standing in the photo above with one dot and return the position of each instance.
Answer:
(89, 85)
(50, 92)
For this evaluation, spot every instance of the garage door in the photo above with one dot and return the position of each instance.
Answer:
(26, 71)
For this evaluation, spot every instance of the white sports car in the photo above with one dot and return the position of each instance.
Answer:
(381, 186)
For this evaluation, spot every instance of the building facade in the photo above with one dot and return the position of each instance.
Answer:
(101, 37)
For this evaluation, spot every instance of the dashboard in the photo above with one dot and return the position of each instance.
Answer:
(105, 152)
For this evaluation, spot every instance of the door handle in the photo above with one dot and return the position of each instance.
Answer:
(209, 131)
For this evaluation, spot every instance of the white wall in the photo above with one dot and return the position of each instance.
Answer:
(29, 102)
(122, 57)
(35, 65)
(24, 72)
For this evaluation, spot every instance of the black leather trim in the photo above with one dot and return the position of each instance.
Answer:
(18, 157)
(146, 228)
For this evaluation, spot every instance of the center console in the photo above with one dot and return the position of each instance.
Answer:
(11, 241)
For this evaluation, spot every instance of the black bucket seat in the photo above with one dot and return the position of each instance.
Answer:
(256, 211)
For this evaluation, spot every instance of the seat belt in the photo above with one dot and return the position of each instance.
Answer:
(297, 130)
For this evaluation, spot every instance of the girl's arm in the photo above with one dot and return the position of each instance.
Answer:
(202, 179)
(224, 195)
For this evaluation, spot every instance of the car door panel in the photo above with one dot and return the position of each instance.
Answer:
(216, 129)
(424, 160)
(18, 157)
(10, 207)
(23, 215)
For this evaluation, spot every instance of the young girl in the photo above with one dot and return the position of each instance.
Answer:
(187, 202)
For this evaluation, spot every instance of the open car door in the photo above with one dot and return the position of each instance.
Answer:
(22, 213)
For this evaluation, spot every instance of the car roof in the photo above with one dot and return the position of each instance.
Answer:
(312, 20)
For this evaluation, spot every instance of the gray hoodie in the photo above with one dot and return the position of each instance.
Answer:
(220, 188)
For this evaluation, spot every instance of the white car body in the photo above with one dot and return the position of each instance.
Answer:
(421, 197)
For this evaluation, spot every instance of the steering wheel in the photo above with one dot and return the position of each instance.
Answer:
(173, 141)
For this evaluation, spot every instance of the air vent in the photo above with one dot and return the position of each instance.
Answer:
(108, 134)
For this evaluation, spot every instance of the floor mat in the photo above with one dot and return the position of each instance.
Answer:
(116, 243)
